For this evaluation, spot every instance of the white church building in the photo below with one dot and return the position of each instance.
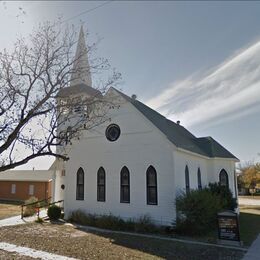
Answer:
(137, 162)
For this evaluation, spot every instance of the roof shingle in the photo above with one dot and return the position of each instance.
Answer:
(179, 135)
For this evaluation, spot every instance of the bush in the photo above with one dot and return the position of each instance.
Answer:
(197, 210)
(130, 225)
(110, 222)
(142, 224)
(30, 210)
(81, 218)
(54, 212)
(227, 200)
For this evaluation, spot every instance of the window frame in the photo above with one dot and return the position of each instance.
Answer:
(100, 185)
(63, 172)
(107, 133)
(224, 172)
(124, 186)
(80, 196)
(199, 179)
(13, 188)
(149, 187)
(187, 179)
(31, 189)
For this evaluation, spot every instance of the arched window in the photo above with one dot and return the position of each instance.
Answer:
(125, 185)
(80, 184)
(199, 179)
(101, 184)
(187, 179)
(151, 183)
(223, 178)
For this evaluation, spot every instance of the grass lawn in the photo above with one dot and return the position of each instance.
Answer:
(249, 221)
(70, 241)
(249, 224)
(9, 210)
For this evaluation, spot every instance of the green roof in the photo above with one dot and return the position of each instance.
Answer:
(213, 148)
(179, 135)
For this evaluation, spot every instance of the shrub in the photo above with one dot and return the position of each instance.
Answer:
(54, 212)
(103, 221)
(110, 222)
(81, 218)
(197, 210)
(30, 210)
(227, 200)
(142, 224)
(130, 225)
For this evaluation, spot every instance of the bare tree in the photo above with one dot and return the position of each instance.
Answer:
(32, 76)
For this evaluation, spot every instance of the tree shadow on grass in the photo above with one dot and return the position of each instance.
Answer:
(167, 249)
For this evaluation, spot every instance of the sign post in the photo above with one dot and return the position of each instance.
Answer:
(228, 228)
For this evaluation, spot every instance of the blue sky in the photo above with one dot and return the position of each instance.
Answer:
(197, 62)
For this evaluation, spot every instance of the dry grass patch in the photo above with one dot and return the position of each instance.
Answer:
(8, 210)
(69, 241)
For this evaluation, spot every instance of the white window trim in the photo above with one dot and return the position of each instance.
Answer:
(13, 188)
(31, 189)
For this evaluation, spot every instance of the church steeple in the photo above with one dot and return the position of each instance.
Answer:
(81, 74)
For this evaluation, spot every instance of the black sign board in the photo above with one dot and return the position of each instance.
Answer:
(228, 227)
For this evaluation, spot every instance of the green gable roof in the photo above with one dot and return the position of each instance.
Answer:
(179, 135)
(213, 148)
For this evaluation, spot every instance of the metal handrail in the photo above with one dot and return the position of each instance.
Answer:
(28, 204)
(33, 203)
(55, 202)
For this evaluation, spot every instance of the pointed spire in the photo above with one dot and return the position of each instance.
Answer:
(82, 74)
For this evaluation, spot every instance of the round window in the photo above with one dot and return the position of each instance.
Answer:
(112, 132)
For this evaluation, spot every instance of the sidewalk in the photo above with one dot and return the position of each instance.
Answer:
(26, 251)
(16, 220)
(253, 252)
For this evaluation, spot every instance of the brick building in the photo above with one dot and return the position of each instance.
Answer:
(19, 185)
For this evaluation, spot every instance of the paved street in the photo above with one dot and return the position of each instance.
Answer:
(254, 201)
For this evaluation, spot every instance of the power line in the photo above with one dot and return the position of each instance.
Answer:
(87, 11)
